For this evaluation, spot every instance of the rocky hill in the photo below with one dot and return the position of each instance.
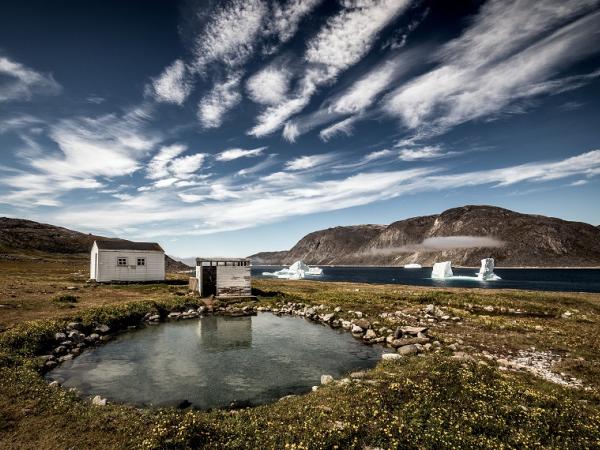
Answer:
(463, 235)
(19, 238)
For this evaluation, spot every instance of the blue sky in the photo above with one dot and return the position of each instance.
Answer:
(231, 127)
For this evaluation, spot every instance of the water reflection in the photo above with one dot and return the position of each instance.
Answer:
(216, 361)
(218, 334)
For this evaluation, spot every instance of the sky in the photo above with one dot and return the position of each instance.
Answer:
(224, 128)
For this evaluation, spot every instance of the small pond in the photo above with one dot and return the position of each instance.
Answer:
(216, 361)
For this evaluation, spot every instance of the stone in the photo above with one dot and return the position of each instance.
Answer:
(428, 347)
(358, 375)
(76, 336)
(60, 337)
(174, 315)
(75, 326)
(98, 401)
(94, 336)
(357, 330)
(390, 356)
(154, 318)
(326, 379)
(453, 347)
(335, 323)
(60, 350)
(370, 334)
(327, 318)
(462, 356)
(337, 309)
(358, 314)
(488, 308)
(346, 324)
(314, 388)
(566, 314)
(50, 365)
(363, 323)
(413, 330)
(397, 333)
(47, 358)
(408, 341)
(408, 350)
(75, 351)
(102, 329)
(54, 384)
(65, 358)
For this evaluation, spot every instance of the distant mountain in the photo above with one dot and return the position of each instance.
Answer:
(28, 238)
(462, 235)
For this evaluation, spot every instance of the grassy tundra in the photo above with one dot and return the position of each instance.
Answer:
(436, 401)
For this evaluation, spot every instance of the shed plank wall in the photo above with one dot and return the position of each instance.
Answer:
(109, 271)
(233, 281)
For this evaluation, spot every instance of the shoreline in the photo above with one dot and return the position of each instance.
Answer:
(430, 267)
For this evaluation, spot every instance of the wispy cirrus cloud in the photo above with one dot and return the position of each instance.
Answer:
(173, 85)
(505, 56)
(22, 83)
(269, 86)
(235, 153)
(308, 162)
(222, 98)
(342, 42)
(286, 194)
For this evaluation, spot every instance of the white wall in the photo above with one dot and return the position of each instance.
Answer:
(93, 256)
(109, 271)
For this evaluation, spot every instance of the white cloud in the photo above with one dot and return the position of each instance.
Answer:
(423, 153)
(23, 83)
(342, 127)
(307, 162)
(503, 57)
(235, 153)
(173, 85)
(578, 183)
(158, 166)
(191, 198)
(169, 168)
(378, 154)
(285, 19)
(342, 42)
(286, 194)
(223, 97)
(348, 36)
(269, 86)
(230, 35)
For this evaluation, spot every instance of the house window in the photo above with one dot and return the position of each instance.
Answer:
(121, 262)
(141, 261)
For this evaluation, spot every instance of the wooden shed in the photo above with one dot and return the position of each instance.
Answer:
(121, 260)
(223, 277)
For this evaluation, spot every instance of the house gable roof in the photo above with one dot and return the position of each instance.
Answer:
(122, 244)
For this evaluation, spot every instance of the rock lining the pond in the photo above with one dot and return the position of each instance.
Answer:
(408, 339)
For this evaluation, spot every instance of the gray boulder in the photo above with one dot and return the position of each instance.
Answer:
(326, 379)
(102, 329)
(407, 350)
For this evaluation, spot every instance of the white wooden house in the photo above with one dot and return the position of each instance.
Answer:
(121, 260)
(222, 277)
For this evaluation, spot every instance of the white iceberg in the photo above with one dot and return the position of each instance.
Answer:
(412, 266)
(296, 271)
(486, 272)
(442, 270)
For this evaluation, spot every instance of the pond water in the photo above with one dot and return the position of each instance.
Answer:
(216, 361)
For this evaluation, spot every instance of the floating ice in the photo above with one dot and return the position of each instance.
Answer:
(296, 271)
(442, 270)
(412, 266)
(486, 272)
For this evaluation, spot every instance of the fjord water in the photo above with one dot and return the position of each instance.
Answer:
(216, 361)
(571, 280)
